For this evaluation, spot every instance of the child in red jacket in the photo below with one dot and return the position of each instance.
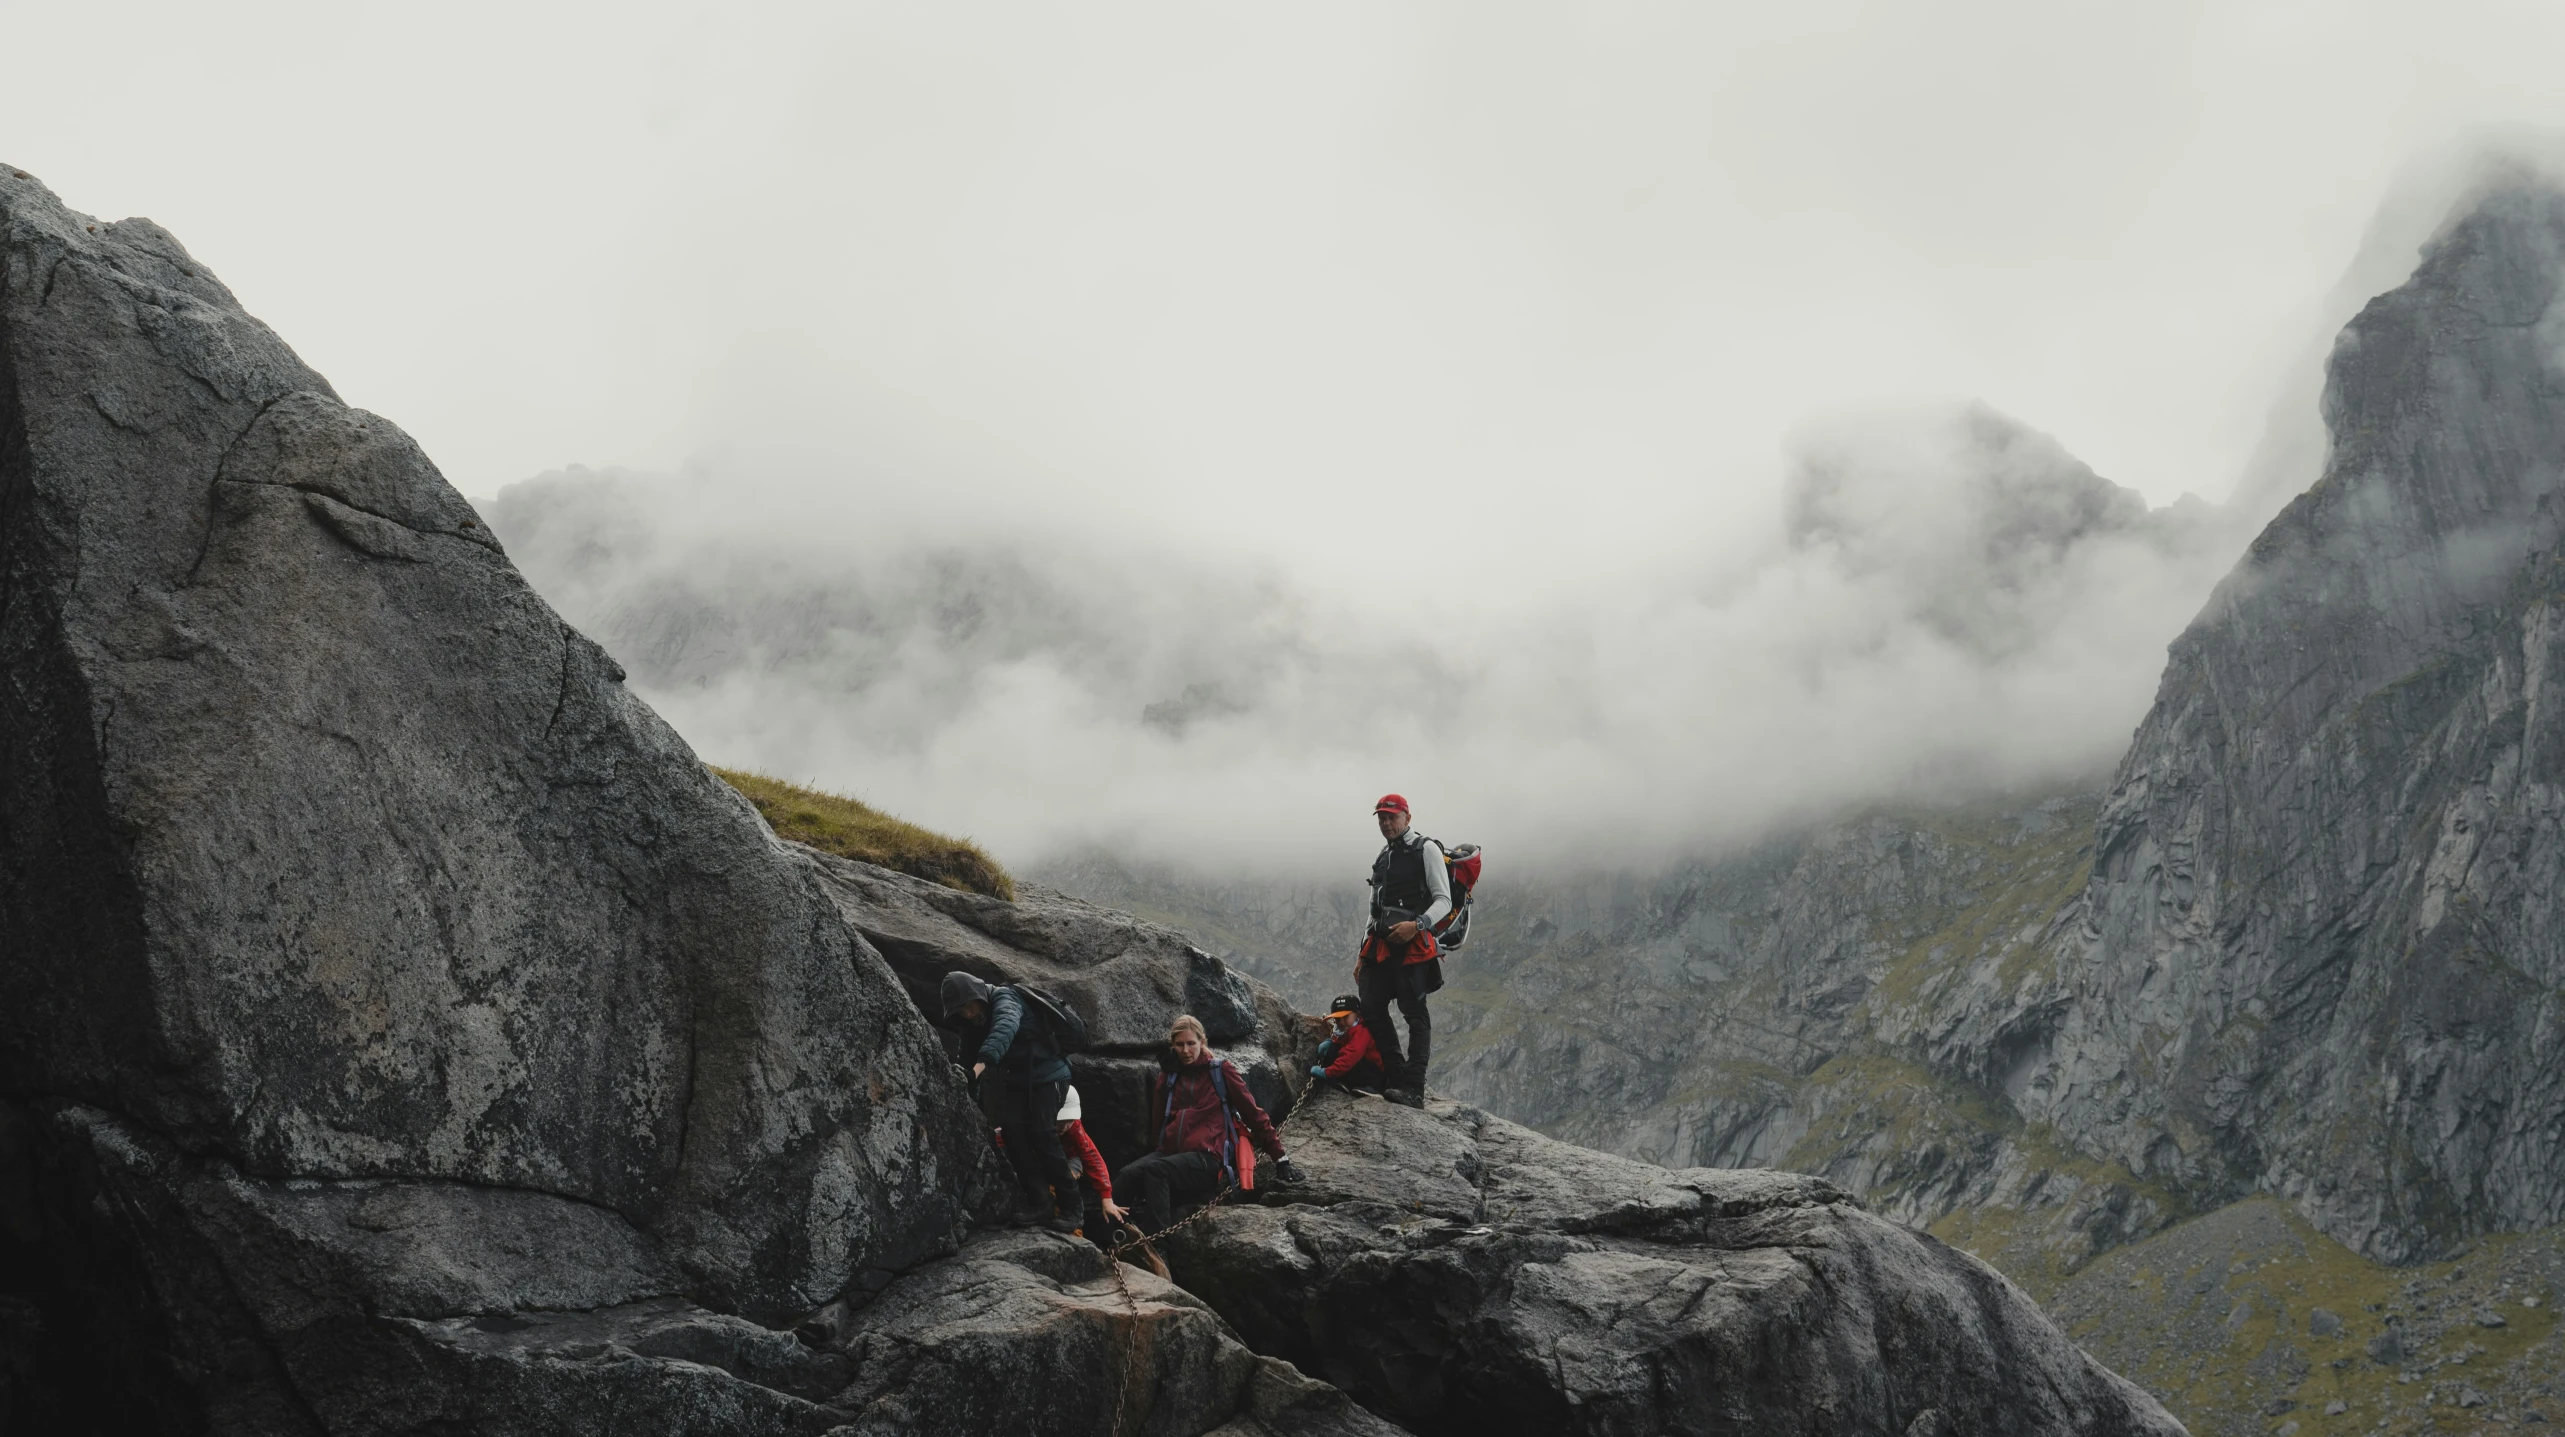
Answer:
(1087, 1169)
(1349, 1057)
(1087, 1166)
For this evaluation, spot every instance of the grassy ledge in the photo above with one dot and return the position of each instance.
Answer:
(836, 824)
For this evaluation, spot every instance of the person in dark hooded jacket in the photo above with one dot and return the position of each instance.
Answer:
(1033, 1078)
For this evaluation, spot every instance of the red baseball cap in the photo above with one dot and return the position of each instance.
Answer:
(1390, 803)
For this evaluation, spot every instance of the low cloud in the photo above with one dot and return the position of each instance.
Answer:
(1950, 603)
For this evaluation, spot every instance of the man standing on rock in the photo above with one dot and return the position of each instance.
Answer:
(1400, 959)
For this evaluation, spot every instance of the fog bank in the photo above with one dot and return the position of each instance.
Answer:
(1947, 602)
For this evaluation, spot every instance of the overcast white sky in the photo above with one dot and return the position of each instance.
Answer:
(1303, 300)
(1269, 278)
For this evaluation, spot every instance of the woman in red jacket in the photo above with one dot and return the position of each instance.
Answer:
(1203, 1109)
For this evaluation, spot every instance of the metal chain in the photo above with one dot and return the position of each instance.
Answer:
(1122, 1284)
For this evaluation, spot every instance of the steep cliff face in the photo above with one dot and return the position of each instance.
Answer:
(2321, 954)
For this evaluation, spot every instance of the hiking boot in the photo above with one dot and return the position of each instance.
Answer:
(1404, 1097)
(1029, 1214)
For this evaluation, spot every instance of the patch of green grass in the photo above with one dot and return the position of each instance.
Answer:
(834, 823)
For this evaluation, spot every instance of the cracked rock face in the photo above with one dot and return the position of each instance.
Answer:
(1462, 1274)
(330, 857)
(326, 846)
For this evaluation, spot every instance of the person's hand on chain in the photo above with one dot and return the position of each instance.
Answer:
(1115, 1211)
(1289, 1170)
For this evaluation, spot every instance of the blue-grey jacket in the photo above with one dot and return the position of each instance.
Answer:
(1019, 1044)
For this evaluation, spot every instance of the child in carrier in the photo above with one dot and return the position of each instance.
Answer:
(1349, 1058)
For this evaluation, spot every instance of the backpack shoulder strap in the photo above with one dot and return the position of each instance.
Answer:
(1228, 1121)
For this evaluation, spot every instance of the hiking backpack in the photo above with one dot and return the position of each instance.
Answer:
(1460, 864)
(1237, 1150)
(1068, 1030)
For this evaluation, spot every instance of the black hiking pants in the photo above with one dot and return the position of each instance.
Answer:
(1380, 984)
(1029, 1115)
(1157, 1183)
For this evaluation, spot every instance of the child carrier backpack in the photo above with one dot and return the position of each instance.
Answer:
(1068, 1030)
(1460, 863)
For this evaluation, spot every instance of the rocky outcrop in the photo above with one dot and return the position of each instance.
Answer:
(1759, 1009)
(1465, 1275)
(1461, 1273)
(327, 847)
(1127, 978)
(400, 1030)
(402, 1033)
(402, 1307)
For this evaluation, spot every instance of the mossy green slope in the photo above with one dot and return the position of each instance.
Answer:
(834, 823)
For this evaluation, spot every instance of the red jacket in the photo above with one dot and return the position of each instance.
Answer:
(1082, 1151)
(1090, 1162)
(1423, 948)
(1193, 1122)
(1356, 1050)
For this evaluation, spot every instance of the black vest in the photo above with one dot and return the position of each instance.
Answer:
(1398, 878)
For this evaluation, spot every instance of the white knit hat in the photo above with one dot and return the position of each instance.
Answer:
(1069, 1107)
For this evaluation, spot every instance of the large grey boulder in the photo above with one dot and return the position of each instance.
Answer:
(400, 1031)
(1465, 1275)
(327, 847)
(387, 1307)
